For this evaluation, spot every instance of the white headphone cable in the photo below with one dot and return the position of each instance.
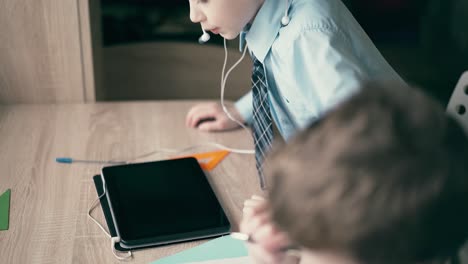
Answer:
(285, 19)
(114, 240)
(224, 77)
(170, 150)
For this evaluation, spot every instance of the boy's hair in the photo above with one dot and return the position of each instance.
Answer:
(382, 178)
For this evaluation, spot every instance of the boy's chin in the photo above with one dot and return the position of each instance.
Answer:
(230, 36)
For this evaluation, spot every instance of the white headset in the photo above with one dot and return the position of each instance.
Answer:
(285, 19)
(205, 37)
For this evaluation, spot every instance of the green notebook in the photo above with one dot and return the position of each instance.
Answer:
(224, 247)
(5, 209)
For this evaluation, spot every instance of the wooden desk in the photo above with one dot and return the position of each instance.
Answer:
(49, 202)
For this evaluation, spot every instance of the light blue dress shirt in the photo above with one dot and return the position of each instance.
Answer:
(320, 58)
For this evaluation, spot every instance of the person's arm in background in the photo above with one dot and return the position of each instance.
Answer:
(211, 117)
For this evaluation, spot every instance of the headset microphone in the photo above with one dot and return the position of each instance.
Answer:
(204, 38)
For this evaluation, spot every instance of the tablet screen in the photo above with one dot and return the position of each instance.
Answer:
(163, 198)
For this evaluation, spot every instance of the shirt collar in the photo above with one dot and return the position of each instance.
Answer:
(264, 28)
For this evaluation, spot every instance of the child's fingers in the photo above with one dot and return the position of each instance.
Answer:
(261, 256)
(254, 202)
(248, 211)
(192, 113)
(190, 119)
(251, 210)
(257, 197)
(252, 206)
(200, 112)
(214, 125)
(271, 238)
(268, 244)
(249, 225)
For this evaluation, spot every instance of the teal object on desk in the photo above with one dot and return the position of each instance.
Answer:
(220, 248)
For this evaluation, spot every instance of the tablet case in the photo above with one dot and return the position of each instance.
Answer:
(108, 216)
(106, 210)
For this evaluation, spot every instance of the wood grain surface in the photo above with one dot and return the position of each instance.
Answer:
(49, 201)
(42, 53)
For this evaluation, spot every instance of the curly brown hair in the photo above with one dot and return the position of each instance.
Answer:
(383, 178)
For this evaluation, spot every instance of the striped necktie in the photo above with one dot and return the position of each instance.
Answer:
(262, 122)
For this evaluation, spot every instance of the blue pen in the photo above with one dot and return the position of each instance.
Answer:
(70, 160)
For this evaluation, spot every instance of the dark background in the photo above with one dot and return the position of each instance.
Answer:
(426, 41)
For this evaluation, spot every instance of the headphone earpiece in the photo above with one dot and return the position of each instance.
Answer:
(204, 38)
(285, 21)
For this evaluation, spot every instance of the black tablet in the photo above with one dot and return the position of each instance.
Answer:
(162, 202)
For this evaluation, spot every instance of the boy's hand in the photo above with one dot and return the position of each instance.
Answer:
(211, 117)
(268, 241)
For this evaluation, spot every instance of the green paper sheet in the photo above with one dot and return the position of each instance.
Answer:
(220, 248)
(5, 210)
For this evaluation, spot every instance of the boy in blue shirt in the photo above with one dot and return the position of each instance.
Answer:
(311, 54)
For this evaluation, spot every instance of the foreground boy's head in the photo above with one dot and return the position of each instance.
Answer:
(381, 179)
